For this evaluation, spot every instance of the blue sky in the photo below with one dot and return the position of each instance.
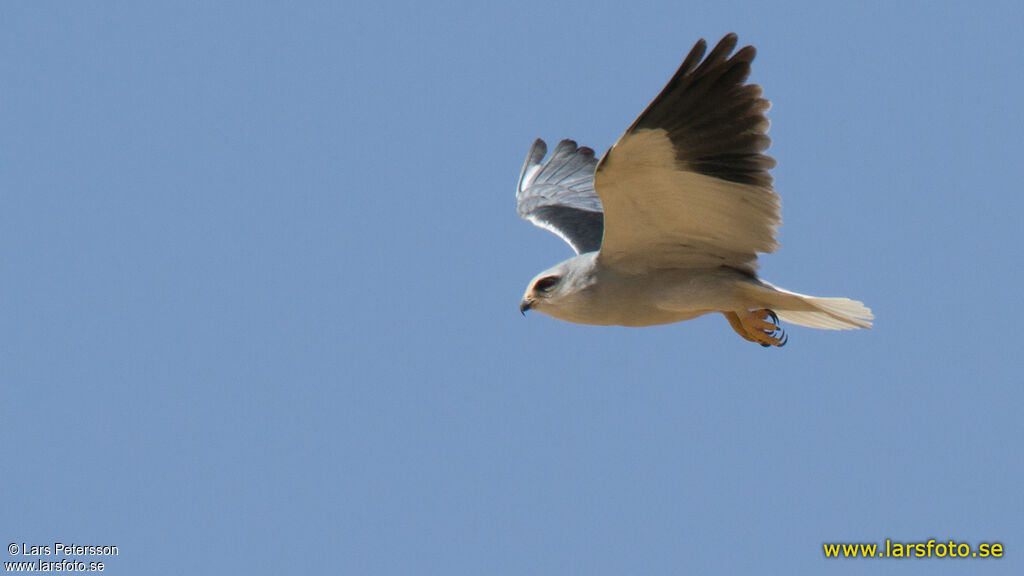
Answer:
(261, 268)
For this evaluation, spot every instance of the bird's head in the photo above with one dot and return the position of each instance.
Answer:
(542, 290)
(558, 289)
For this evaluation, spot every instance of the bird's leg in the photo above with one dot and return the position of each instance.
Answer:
(754, 325)
(737, 325)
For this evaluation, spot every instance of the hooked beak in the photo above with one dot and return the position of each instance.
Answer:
(525, 305)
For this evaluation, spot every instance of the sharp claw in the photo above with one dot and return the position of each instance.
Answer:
(760, 330)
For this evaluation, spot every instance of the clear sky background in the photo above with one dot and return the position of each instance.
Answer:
(260, 268)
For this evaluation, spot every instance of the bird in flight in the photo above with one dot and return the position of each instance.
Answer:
(668, 224)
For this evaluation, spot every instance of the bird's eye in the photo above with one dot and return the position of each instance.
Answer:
(546, 283)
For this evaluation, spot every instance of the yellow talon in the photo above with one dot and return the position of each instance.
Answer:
(755, 326)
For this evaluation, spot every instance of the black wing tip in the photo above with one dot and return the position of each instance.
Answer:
(715, 119)
(721, 51)
(747, 53)
(726, 50)
(726, 44)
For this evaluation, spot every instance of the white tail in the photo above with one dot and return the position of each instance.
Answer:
(811, 311)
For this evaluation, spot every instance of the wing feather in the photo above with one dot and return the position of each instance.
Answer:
(558, 195)
(688, 185)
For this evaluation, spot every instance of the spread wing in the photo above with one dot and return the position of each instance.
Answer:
(687, 185)
(558, 195)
